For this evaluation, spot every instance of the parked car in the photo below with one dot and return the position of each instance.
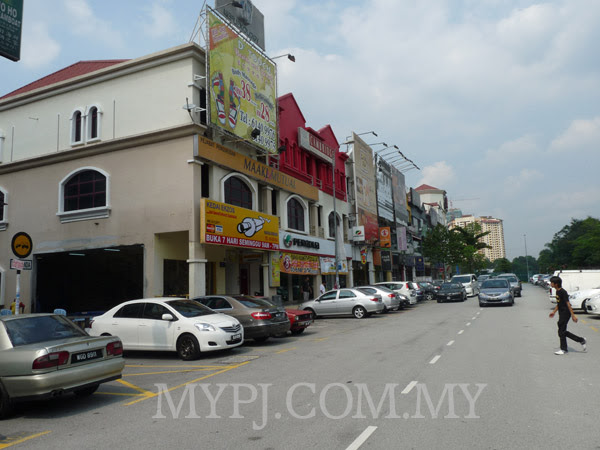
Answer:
(391, 302)
(469, 281)
(429, 289)
(496, 291)
(592, 306)
(260, 318)
(579, 299)
(514, 281)
(420, 294)
(481, 278)
(401, 287)
(47, 355)
(169, 324)
(451, 292)
(299, 320)
(348, 301)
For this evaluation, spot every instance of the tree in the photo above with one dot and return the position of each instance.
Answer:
(575, 246)
(440, 245)
(471, 238)
(520, 266)
(502, 265)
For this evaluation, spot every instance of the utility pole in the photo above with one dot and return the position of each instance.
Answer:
(526, 258)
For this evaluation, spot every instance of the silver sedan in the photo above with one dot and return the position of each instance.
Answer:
(344, 302)
(391, 300)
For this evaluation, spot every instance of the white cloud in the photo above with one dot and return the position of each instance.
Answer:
(85, 23)
(515, 150)
(439, 175)
(516, 184)
(160, 21)
(581, 136)
(39, 48)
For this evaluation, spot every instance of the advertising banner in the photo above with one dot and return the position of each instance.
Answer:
(399, 193)
(242, 86)
(275, 258)
(376, 257)
(420, 263)
(299, 264)
(385, 203)
(224, 224)
(402, 241)
(11, 23)
(363, 255)
(328, 266)
(366, 196)
(386, 261)
(385, 237)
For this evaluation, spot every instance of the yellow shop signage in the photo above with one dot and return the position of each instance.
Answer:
(224, 224)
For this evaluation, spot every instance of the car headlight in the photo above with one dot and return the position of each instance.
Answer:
(204, 326)
(505, 296)
(483, 296)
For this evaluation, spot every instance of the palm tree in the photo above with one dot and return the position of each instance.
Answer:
(471, 236)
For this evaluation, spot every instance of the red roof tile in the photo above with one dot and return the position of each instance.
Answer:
(72, 71)
(426, 187)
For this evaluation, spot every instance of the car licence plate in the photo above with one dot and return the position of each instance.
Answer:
(304, 324)
(86, 356)
(236, 337)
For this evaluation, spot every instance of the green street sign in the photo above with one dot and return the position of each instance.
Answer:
(11, 21)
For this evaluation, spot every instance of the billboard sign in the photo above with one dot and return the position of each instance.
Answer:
(11, 21)
(248, 19)
(225, 224)
(385, 202)
(399, 193)
(242, 86)
(295, 263)
(314, 145)
(402, 240)
(386, 261)
(385, 237)
(328, 266)
(366, 196)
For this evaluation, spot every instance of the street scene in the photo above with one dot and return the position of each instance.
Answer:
(313, 390)
(282, 224)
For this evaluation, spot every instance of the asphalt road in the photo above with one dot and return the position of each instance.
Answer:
(449, 375)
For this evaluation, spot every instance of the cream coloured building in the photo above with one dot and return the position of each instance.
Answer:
(495, 238)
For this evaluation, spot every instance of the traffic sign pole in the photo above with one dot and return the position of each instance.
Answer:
(18, 297)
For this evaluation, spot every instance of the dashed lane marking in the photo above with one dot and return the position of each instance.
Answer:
(468, 324)
(461, 331)
(409, 387)
(450, 343)
(360, 440)
(435, 359)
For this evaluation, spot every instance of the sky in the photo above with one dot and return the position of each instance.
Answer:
(496, 101)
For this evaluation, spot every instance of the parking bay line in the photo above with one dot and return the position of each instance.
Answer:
(594, 328)
(152, 394)
(166, 371)
(9, 442)
(285, 350)
(360, 440)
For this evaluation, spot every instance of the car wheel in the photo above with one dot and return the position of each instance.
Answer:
(5, 403)
(86, 391)
(300, 331)
(439, 300)
(464, 298)
(429, 296)
(481, 305)
(188, 347)
(312, 312)
(385, 310)
(584, 306)
(359, 312)
(261, 339)
(105, 334)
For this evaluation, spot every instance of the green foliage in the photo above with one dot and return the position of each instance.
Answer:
(520, 266)
(575, 246)
(502, 265)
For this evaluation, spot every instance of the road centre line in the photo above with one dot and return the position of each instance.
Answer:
(468, 324)
(450, 343)
(461, 331)
(360, 440)
(153, 395)
(435, 359)
(9, 443)
(473, 318)
(409, 387)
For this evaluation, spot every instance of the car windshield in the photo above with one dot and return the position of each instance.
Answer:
(190, 308)
(494, 284)
(31, 330)
(452, 285)
(463, 279)
(252, 302)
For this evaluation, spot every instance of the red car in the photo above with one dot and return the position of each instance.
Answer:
(299, 320)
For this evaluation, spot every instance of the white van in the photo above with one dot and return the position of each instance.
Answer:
(469, 281)
(576, 280)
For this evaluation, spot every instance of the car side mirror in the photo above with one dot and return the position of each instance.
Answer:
(168, 317)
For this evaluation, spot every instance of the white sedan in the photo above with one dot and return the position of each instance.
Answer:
(169, 324)
(578, 299)
(593, 305)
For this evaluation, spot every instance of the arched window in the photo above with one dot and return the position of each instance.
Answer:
(295, 212)
(93, 123)
(77, 127)
(237, 193)
(85, 190)
(332, 229)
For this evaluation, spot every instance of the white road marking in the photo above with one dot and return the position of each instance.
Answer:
(461, 331)
(450, 343)
(409, 387)
(468, 324)
(473, 318)
(435, 358)
(478, 313)
(362, 438)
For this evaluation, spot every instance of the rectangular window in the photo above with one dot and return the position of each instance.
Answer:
(274, 200)
(204, 182)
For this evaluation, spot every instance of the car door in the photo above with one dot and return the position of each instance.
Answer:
(347, 300)
(153, 332)
(326, 305)
(125, 324)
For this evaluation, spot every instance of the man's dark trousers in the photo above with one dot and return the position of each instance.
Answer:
(563, 334)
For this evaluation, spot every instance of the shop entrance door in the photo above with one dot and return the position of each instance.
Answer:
(244, 279)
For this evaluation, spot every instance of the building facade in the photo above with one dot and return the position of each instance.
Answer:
(495, 238)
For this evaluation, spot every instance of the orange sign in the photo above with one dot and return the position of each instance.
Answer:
(224, 224)
(385, 237)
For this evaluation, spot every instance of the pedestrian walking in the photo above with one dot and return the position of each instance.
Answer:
(565, 312)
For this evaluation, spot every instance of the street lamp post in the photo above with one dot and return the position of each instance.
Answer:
(335, 225)
(526, 258)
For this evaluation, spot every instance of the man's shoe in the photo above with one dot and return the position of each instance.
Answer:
(584, 344)
(560, 352)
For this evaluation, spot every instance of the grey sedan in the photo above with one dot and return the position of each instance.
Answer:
(47, 355)
(496, 291)
(344, 302)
